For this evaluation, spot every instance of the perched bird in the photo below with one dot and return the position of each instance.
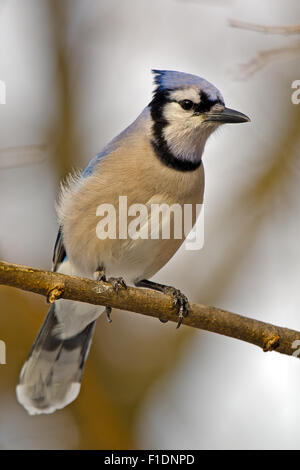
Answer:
(156, 160)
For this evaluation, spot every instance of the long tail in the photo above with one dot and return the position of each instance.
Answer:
(50, 378)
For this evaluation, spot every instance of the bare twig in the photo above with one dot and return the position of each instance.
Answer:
(263, 28)
(150, 303)
(265, 57)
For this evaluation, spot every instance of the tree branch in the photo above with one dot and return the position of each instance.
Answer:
(260, 28)
(147, 302)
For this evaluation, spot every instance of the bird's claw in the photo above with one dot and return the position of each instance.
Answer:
(117, 283)
(99, 275)
(108, 312)
(180, 301)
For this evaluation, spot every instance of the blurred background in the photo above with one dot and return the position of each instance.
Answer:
(77, 72)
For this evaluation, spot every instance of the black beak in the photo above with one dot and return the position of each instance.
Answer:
(227, 116)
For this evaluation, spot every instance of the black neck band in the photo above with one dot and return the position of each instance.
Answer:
(159, 144)
(167, 158)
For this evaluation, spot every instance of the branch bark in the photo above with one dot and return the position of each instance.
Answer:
(147, 302)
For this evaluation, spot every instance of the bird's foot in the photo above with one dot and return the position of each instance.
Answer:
(108, 312)
(180, 301)
(117, 283)
(99, 275)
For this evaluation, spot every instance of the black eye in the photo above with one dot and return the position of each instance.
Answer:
(186, 104)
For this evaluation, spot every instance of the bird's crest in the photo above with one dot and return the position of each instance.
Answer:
(172, 80)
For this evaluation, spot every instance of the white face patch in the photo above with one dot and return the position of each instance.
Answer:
(181, 118)
(174, 113)
(190, 93)
(185, 132)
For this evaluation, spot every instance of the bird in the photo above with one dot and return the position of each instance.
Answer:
(156, 160)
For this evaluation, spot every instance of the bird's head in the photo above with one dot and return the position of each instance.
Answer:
(185, 110)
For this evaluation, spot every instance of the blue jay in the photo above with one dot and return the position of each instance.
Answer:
(157, 159)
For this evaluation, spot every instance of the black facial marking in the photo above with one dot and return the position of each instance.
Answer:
(160, 98)
(159, 143)
(205, 103)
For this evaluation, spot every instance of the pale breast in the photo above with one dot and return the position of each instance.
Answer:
(134, 173)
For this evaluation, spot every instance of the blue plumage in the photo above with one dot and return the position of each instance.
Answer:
(171, 80)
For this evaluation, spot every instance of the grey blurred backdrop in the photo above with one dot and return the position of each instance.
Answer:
(77, 72)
